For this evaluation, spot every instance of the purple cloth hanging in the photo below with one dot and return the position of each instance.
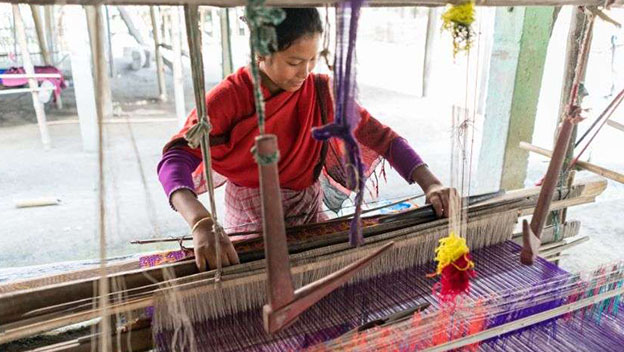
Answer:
(347, 117)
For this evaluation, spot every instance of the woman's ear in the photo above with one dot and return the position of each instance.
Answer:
(261, 58)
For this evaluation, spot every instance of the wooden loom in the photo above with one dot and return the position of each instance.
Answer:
(36, 310)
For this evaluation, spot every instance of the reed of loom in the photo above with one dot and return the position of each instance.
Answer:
(532, 233)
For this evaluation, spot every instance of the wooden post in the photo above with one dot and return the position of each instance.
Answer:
(432, 29)
(226, 42)
(50, 35)
(178, 80)
(518, 55)
(50, 31)
(109, 44)
(43, 47)
(104, 92)
(101, 79)
(81, 68)
(575, 33)
(160, 68)
(32, 82)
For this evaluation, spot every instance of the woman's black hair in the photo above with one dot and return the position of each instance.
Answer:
(299, 22)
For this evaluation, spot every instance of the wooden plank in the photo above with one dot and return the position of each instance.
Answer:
(319, 3)
(616, 125)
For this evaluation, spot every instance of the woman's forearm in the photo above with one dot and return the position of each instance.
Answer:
(425, 178)
(191, 209)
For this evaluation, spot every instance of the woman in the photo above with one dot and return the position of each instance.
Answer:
(296, 101)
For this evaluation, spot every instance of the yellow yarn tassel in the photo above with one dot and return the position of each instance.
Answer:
(458, 20)
(450, 249)
(455, 268)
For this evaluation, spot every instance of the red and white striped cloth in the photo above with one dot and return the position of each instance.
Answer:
(244, 207)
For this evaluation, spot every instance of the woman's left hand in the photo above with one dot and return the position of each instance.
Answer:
(443, 199)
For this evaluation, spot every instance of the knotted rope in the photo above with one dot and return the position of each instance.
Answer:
(199, 135)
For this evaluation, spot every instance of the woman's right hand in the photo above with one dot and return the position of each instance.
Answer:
(204, 247)
(192, 210)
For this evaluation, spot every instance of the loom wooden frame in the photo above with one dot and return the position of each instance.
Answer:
(21, 323)
(385, 3)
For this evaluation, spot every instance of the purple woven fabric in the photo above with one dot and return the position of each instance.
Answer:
(353, 305)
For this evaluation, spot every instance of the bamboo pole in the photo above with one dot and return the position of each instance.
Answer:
(104, 91)
(615, 176)
(50, 31)
(102, 85)
(32, 83)
(160, 68)
(43, 47)
(226, 43)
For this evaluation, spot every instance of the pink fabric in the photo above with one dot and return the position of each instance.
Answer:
(244, 207)
(59, 83)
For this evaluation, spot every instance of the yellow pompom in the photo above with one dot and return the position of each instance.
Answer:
(450, 249)
(458, 19)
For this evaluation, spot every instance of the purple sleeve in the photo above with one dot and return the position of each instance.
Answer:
(403, 158)
(175, 171)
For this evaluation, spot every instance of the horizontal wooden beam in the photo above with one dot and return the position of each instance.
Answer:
(602, 171)
(318, 3)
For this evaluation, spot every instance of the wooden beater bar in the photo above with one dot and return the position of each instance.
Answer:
(284, 303)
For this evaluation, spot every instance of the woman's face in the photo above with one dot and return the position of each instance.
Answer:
(288, 69)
